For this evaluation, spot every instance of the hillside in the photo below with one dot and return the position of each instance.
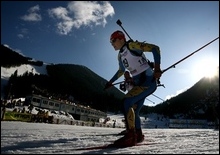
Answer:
(65, 81)
(201, 101)
(61, 81)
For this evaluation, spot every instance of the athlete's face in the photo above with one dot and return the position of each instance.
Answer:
(117, 43)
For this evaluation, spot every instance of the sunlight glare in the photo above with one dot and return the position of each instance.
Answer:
(205, 68)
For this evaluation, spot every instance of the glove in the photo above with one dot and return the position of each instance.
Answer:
(122, 87)
(108, 85)
(157, 74)
(157, 71)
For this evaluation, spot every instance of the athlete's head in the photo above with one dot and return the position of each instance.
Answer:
(117, 35)
(117, 39)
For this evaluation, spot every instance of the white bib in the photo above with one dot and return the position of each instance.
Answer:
(135, 64)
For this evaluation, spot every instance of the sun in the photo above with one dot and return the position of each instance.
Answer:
(206, 68)
(212, 72)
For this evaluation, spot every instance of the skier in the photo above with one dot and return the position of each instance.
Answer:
(132, 58)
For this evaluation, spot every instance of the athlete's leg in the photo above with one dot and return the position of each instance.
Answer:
(136, 95)
(137, 111)
(131, 119)
(135, 98)
(122, 108)
(140, 135)
(139, 104)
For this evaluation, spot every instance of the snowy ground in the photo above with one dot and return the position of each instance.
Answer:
(41, 138)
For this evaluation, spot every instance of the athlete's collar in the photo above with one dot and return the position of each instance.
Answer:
(122, 48)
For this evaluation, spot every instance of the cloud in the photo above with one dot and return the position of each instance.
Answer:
(21, 36)
(23, 33)
(81, 13)
(33, 14)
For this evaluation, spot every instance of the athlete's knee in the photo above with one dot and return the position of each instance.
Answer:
(134, 107)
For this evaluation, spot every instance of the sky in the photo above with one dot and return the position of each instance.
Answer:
(42, 138)
(78, 32)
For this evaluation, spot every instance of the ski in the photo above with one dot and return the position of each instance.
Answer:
(109, 146)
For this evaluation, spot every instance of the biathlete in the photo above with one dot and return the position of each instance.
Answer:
(131, 57)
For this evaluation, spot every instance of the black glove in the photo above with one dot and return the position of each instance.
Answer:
(108, 85)
(122, 87)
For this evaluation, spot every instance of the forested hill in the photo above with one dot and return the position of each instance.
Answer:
(62, 81)
(201, 101)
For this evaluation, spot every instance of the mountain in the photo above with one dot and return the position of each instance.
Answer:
(201, 101)
(58, 80)
(66, 81)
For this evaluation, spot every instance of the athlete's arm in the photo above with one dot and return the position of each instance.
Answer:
(120, 71)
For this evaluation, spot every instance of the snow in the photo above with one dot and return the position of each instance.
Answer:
(7, 72)
(40, 138)
(44, 138)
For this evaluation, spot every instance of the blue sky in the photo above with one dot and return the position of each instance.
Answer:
(78, 33)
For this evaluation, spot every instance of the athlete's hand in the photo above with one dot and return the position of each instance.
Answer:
(108, 85)
(122, 87)
(157, 71)
(157, 74)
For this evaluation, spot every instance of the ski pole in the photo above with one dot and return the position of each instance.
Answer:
(120, 24)
(118, 83)
(150, 101)
(157, 97)
(173, 66)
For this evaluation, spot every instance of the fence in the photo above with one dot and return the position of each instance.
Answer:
(27, 117)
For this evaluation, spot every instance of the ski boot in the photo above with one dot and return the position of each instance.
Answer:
(140, 136)
(123, 132)
(129, 139)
